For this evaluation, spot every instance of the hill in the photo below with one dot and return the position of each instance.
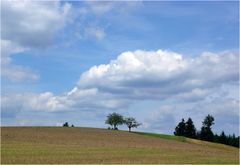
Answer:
(28, 145)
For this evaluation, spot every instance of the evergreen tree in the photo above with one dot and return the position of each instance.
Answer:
(190, 130)
(216, 138)
(180, 129)
(236, 142)
(206, 130)
(223, 138)
(198, 134)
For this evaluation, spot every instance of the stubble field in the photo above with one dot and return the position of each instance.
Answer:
(46, 145)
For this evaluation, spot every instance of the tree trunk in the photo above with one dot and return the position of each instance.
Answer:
(129, 129)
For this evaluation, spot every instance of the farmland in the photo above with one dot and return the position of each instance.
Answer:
(28, 145)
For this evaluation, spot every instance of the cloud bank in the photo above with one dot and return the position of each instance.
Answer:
(207, 83)
(162, 74)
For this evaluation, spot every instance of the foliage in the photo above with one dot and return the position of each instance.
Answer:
(206, 130)
(131, 123)
(180, 129)
(223, 138)
(187, 129)
(114, 119)
(65, 124)
(190, 130)
(208, 121)
(228, 140)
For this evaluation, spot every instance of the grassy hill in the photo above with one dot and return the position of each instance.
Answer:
(25, 145)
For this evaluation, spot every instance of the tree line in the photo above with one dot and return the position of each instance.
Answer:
(67, 125)
(115, 119)
(188, 129)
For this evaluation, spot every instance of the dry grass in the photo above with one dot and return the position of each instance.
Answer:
(24, 145)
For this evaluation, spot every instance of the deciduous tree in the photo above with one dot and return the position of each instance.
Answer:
(206, 130)
(131, 123)
(114, 119)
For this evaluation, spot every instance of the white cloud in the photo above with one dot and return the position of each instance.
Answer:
(103, 7)
(100, 7)
(162, 74)
(151, 75)
(13, 72)
(95, 32)
(161, 120)
(194, 86)
(32, 23)
(17, 73)
(26, 25)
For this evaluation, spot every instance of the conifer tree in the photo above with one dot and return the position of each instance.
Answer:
(190, 130)
(180, 129)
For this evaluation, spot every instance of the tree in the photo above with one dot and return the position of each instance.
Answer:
(223, 138)
(180, 129)
(233, 140)
(190, 130)
(236, 142)
(131, 123)
(206, 130)
(216, 138)
(65, 124)
(114, 119)
(72, 125)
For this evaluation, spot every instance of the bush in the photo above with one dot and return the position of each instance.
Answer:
(65, 124)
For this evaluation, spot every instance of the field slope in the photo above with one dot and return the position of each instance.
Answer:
(45, 145)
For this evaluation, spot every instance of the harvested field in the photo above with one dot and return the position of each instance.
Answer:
(24, 145)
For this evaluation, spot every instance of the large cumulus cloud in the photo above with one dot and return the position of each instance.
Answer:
(192, 86)
(162, 74)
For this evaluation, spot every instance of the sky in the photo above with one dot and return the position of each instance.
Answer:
(157, 61)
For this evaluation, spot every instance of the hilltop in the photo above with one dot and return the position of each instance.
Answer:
(23, 145)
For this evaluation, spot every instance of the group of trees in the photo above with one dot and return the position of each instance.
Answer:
(231, 140)
(115, 119)
(66, 124)
(188, 129)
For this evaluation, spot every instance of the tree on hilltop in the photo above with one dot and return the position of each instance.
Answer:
(190, 130)
(180, 129)
(206, 130)
(65, 124)
(114, 119)
(131, 123)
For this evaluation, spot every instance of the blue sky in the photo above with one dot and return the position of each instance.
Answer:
(48, 49)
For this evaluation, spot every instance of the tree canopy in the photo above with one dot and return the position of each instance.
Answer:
(65, 124)
(180, 129)
(190, 130)
(114, 119)
(131, 123)
(206, 130)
